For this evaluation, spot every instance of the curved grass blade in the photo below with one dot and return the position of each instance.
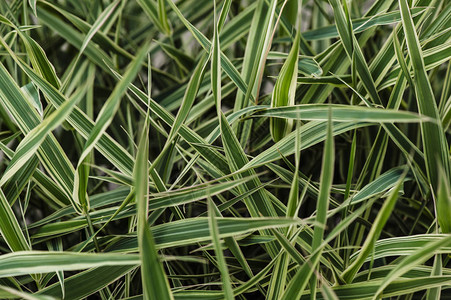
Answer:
(195, 193)
(443, 203)
(341, 113)
(375, 231)
(353, 50)
(403, 246)
(306, 65)
(156, 13)
(222, 266)
(100, 21)
(359, 25)
(284, 91)
(162, 17)
(30, 262)
(37, 56)
(75, 38)
(322, 205)
(299, 282)
(10, 228)
(193, 230)
(154, 280)
(434, 293)
(401, 287)
(188, 98)
(255, 53)
(33, 139)
(88, 282)
(7, 292)
(32, 4)
(311, 133)
(23, 112)
(31, 92)
(412, 260)
(434, 141)
(258, 204)
(103, 120)
(223, 15)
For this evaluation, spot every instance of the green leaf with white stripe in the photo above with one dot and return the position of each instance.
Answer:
(104, 118)
(10, 228)
(443, 203)
(36, 55)
(342, 113)
(31, 262)
(284, 91)
(220, 260)
(416, 258)
(154, 281)
(434, 141)
(33, 140)
(375, 231)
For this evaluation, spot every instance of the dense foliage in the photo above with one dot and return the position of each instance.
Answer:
(201, 149)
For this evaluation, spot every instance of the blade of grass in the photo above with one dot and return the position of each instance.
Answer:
(375, 231)
(284, 91)
(33, 139)
(341, 113)
(222, 266)
(416, 258)
(10, 228)
(104, 118)
(434, 141)
(154, 280)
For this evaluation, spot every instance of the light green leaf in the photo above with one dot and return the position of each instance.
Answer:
(30, 262)
(33, 140)
(284, 91)
(214, 232)
(341, 113)
(434, 141)
(104, 118)
(154, 281)
(443, 203)
(382, 217)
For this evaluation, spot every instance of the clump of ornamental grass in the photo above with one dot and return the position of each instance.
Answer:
(201, 149)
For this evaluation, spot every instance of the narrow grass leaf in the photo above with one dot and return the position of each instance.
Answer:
(434, 141)
(402, 246)
(157, 13)
(33, 140)
(222, 266)
(8, 293)
(83, 284)
(322, 204)
(30, 262)
(31, 92)
(154, 281)
(359, 25)
(401, 287)
(284, 91)
(36, 55)
(188, 98)
(341, 113)
(100, 21)
(375, 231)
(104, 118)
(407, 263)
(32, 4)
(443, 203)
(10, 228)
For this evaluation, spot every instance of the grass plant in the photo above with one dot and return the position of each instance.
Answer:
(203, 149)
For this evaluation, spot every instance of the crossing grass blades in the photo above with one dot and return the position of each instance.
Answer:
(201, 149)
